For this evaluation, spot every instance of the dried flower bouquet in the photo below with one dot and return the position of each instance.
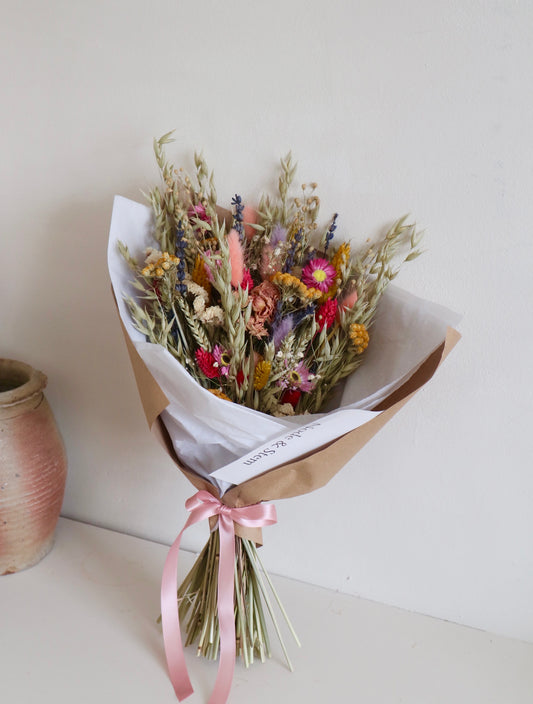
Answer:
(259, 306)
(264, 308)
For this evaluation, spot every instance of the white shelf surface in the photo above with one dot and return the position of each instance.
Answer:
(81, 627)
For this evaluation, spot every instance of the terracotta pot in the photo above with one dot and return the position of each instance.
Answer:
(33, 468)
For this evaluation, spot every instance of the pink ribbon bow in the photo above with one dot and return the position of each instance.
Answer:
(201, 506)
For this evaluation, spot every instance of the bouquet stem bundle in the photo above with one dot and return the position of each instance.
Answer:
(197, 598)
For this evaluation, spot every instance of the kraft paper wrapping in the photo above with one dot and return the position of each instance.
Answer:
(304, 475)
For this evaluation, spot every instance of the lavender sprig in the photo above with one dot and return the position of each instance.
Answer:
(289, 261)
(331, 232)
(236, 201)
(301, 314)
(181, 245)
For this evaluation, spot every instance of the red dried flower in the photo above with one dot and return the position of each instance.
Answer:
(247, 281)
(240, 377)
(206, 362)
(325, 315)
(291, 396)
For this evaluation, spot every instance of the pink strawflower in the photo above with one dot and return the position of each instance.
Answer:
(222, 359)
(325, 315)
(319, 273)
(299, 377)
(198, 211)
(206, 363)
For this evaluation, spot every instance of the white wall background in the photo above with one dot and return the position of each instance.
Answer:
(420, 107)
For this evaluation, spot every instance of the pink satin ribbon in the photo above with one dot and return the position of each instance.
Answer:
(201, 506)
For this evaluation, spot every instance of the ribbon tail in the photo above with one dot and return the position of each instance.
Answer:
(170, 622)
(226, 613)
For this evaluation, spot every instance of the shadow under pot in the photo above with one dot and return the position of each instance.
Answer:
(33, 468)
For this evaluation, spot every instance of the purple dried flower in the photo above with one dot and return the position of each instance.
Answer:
(281, 330)
(279, 234)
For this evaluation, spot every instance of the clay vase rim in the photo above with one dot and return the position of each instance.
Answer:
(22, 382)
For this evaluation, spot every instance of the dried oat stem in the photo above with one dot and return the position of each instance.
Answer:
(197, 597)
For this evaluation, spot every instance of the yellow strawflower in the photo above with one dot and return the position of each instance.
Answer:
(261, 374)
(290, 281)
(161, 265)
(359, 337)
(338, 261)
(341, 257)
(313, 294)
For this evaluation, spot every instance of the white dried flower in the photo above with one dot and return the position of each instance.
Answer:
(199, 305)
(214, 315)
(196, 289)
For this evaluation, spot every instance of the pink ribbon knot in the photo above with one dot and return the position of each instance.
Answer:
(203, 505)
